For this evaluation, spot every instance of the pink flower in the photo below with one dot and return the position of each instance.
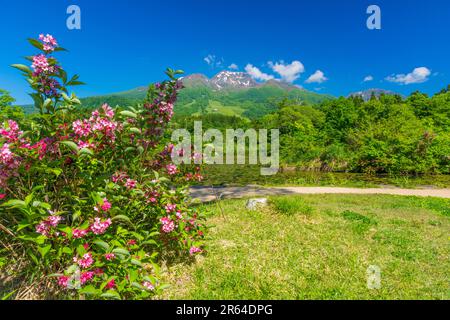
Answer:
(6, 155)
(43, 228)
(63, 281)
(119, 176)
(109, 112)
(110, 256)
(84, 262)
(131, 242)
(106, 205)
(130, 184)
(170, 207)
(86, 276)
(82, 128)
(86, 246)
(171, 169)
(99, 227)
(49, 42)
(11, 133)
(148, 285)
(78, 234)
(82, 145)
(168, 225)
(2, 196)
(111, 284)
(40, 64)
(98, 272)
(194, 250)
(54, 220)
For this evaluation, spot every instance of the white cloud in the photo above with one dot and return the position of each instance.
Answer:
(418, 75)
(233, 66)
(317, 77)
(288, 72)
(257, 74)
(212, 61)
(368, 78)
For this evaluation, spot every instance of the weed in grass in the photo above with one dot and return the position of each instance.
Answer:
(360, 223)
(291, 205)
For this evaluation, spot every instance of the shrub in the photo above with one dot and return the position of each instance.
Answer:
(92, 203)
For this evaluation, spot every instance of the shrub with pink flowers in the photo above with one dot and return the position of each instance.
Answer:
(91, 204)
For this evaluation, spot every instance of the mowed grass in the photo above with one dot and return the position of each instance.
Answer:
(320, 247)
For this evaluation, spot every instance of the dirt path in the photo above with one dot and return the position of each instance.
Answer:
(206, 194)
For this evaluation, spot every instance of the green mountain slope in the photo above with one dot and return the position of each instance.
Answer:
(227, 93)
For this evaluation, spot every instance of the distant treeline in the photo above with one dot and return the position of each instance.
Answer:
(383, 135)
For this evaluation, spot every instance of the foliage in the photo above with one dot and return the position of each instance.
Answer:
(91, 201)
(385, 135)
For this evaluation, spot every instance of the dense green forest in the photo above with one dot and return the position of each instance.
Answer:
(383, 135)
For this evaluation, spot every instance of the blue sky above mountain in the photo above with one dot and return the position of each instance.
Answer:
(322, 45)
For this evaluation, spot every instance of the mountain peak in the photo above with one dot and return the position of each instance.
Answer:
(232, 80)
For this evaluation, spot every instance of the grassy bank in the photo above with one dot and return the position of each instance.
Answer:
(247, 174)
(319, 247)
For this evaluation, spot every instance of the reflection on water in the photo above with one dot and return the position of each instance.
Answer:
(246, 174)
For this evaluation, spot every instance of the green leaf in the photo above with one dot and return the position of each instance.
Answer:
(122, 218)
(67, 250)
(58, 49)
(44, 250)
(6, 296)
(128, 114)
(102, 244)
(135, 130)
(136, 263)
(35, 43)
(121, 251)
(23, 226)
(75, 83)
(22, 67)
(28, 199)
(72, 145)
(14, 203)
(86, 151)
(111, 294)
(90, 290)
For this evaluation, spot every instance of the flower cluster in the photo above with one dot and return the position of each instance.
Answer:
(46, 226)
(99, 226)
(84, 262)
(49, 42)
(120, 201)
(99, 127)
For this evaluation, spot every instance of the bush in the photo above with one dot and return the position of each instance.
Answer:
(92, 203)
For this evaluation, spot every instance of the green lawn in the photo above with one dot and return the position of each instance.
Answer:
(319, 247)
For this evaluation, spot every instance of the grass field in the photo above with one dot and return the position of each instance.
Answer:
(319, 247)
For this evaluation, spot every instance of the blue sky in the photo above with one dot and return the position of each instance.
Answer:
(126, 44)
